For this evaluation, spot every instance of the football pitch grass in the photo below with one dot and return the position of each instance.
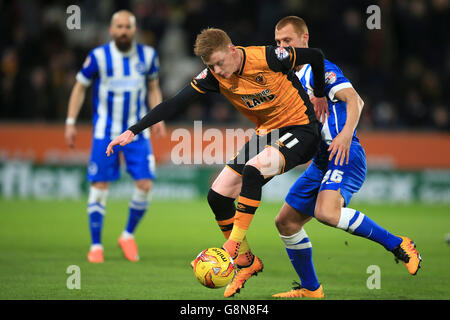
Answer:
(39, 240)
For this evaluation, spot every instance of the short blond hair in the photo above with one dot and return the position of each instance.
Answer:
(297, 23)
(210, 40)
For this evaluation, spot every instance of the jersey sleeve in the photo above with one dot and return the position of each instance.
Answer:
(205, 82)
(285, 59)
(280, 59)
(153, 71)
(334, 80)
(89, 70)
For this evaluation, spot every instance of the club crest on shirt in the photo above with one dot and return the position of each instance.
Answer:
(330, 77)
(260, 78)
(140, 67)
(281, 53)
(202, 75)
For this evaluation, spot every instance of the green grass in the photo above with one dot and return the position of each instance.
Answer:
(40, 239)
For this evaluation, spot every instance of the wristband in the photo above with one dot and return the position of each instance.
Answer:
(70, 121)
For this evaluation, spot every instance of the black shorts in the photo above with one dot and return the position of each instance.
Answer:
(297, 144)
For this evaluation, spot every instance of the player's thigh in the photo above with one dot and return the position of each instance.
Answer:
(290, 221)
(250, 149)
(297, 144)
(139, 159)
(102, 168)
(270, 162)
(339, 184)
(228, 183)
(303, 193)
(348, 178)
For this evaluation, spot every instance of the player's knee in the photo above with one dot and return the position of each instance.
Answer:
(252, 176)
(287, 223)
(145, 185)
(100, 185)
(327, 214)
(223, 207)
(282, 223)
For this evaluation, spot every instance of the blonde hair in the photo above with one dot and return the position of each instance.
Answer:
(210, 40)
(298, 23)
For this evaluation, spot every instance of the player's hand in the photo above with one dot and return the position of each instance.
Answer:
(70, 135)
(159, 129)
(320, 108)
(340, 146)
(124, 139)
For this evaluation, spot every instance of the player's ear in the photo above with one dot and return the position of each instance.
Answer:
(306, 38)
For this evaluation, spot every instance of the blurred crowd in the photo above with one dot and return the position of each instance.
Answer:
(401, 70)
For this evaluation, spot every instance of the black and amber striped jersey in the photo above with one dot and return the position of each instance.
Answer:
(265, 90)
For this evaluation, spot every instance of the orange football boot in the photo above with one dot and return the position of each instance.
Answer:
(242, 275)
(95, 255)
(129, 248)
(300, 292)
(406, 252)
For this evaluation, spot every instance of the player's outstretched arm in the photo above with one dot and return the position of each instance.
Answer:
(340, 146)
(162, 111)
(122, 140)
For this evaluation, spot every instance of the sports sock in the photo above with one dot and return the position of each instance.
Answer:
(299, 250)
(96, 211)
(359, 224)
(137, 208)
(248, 202)
(224, 210)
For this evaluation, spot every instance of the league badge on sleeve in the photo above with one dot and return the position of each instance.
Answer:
(203, 74)
(330, 77)
(281, 53)
(87, 62)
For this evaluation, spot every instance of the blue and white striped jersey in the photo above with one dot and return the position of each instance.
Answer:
(334, 81)
(120, 86)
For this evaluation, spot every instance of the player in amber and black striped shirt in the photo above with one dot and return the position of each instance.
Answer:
(259, 81)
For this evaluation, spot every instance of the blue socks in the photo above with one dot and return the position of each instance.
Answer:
(359, 224)
(137, 211)
(96, 212)
(138, 205)
(299, 250)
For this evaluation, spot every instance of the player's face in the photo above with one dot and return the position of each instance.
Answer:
(224, 62)
(123, 30)
(286, 36)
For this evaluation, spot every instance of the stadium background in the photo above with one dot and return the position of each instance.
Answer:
(401, 71)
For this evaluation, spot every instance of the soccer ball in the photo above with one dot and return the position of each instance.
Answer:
(214, 268)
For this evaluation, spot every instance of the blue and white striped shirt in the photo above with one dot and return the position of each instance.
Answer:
(334, 81)
(120, 86)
